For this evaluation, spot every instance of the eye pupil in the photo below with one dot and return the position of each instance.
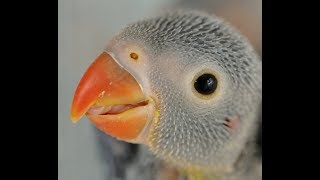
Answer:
(206, 84)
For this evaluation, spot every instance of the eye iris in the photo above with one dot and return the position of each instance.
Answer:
(206, 84)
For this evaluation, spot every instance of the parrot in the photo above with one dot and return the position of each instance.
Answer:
(176, 96)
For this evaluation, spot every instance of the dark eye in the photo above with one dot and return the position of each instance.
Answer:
(206, 84)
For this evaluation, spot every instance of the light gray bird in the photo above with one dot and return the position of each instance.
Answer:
(185, 85)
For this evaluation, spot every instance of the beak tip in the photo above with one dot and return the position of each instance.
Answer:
(74, 118)
(74, 121)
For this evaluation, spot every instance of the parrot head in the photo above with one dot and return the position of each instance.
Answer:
(185, 84)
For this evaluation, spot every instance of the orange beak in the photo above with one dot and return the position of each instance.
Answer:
(112, 99)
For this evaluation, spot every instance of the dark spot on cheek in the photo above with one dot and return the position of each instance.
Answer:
(232, 122)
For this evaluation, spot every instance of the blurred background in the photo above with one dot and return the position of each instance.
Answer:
(84, 27)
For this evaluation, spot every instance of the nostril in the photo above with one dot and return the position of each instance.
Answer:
(134, 56)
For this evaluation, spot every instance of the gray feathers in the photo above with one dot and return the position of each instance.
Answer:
(124, 161)
(191, 132)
